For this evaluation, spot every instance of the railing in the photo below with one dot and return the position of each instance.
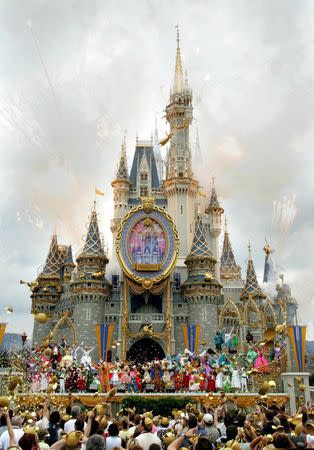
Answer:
(146, 317)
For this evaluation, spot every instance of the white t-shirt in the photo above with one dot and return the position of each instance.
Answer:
(112, 441)
(5, 439)
(145, 440)
(70, 425)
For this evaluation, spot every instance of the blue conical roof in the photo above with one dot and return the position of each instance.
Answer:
(199, 244)
(93, 245)
(53, 261)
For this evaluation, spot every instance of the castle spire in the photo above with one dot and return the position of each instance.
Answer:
(251, 287)
(269, 273)
(122, 171)
(179, 81)
(213, 202)
(68, 261)
(53, 261)
(229, 270)
(198, 151)
(93, 244)
(199, 244)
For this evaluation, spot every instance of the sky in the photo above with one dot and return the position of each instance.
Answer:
(76, 75)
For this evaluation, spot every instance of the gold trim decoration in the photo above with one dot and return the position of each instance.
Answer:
(124, 317)
(147, 207)
(64, 318)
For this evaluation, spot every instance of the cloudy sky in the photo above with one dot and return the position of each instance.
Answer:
(75, 74)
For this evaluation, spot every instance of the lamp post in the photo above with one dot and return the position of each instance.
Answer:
(24, 338)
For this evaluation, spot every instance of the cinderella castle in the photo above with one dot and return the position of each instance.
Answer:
(171, 286)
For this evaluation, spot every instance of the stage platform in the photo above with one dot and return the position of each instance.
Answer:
(90, 400)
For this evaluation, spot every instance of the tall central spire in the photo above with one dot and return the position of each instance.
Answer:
(179, 82)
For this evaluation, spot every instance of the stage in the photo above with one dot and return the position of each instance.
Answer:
(241, 400)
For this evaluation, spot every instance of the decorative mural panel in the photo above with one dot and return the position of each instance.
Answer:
(147, 245)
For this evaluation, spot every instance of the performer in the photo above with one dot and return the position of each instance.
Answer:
(86, 359)
(249, 337)
(261, 363)
(218, 340)
(235, 379)
(243, 377)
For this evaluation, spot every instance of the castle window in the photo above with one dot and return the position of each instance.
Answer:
(143, 191)
(179, 306)
(88, 314)
(144, 176)
(181, 209)
(177, 280)
(89, 284)
(115, 281)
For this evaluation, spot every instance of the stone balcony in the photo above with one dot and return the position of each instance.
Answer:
(136, 320)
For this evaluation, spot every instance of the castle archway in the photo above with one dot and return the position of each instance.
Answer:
(145, 349)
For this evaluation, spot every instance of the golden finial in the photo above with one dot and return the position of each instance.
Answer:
(267, 248)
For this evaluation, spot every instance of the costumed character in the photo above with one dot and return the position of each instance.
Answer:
(86, 359)
(178, 379)
(133, 375)
(219, 381)
(226, 386)
(81, 381)
(115, 377)
(125, 378)
(103, 375)
(62, 376)
(243, 378)
(218, 340)
(232, 344)
(156, 376)
(44, 381)
(36, 384)
(67, 359)
(251, 356)
(186, 379)
(261, 363)
(249, 337)
(211, 383)
(235, 379)
(55, 357)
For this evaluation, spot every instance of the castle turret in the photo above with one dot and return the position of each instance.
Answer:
(46, 294)
(202, 290)
(90, 290)
(121, 188)
(68, 265)
(180, 186)
(251, 288)
(215, 211)
(229, 270)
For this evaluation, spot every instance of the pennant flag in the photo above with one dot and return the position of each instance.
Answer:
(297, 335)
(3, 326)
(191, 335)
(104, 332)
(99, 192)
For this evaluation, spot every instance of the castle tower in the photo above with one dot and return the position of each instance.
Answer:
(180, 187)
(90, 289)
(68, 265)
(202, 291)
(214, 210)
(45, 296)
(121, 187)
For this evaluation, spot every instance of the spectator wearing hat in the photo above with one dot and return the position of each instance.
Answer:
(164, 424)
(146, 438)
(211, 431)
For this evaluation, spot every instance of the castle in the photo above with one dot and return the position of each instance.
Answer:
(171, 271)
